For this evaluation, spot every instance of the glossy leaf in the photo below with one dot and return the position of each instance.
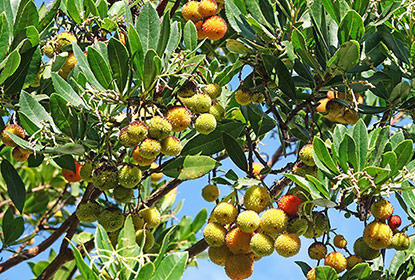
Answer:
(10, 66)
(172, 267)
(99, 67)
(351, 27)
(345, 58)
(360, 138)
(118, 58)
(148, 27)
(26, 15)
(15, 185)
(65, 162)
(32, 109)
(321, 154)
(12, 227)
(65, 118)
(190, 167)
(235, 152)
(84, 269)
(190, 35)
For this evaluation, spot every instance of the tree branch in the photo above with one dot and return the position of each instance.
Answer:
(161, 192)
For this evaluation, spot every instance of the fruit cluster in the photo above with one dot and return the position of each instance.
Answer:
(244, 96)
(203, 15)
(18, 153)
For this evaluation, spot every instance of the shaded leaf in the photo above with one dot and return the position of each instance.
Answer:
(15, 185)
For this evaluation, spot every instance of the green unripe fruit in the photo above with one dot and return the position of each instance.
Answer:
(321, 225)
(262, 245)
(48, 50)
(188, 90)
(339, 241)
(205, 124)
(213, 90)
(298, 226)
(189, 102)
(202, 103)
(150, 148)
(159, 128)
(352, 261)
(138, 221)
(214, 234)
(105, 177)
(317, 251)
(258, 98)
(210, 193)
(243, 96)
(149, 238)
(273, 221)
(217, 111)
(248, 221)
(88, 212)
(302, 170)
(122, 195)
(133, 134)
(113, 236)
(256, 198)
(111, 219)
(86, 171)
(218, 255)
(224, 213)
(129, 176)
(151, 217)
(306, 155)
(400, 241)
(171, 146)
(64, 39)
(362, 250)
(234, 46)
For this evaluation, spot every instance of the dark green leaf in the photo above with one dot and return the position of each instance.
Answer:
(275, 66)
(136, 50)
(326, 273)
(235, 152)
(146, 271)
(238, 22)
(163, 248)
(351, 27)
(190, 36)
(348, 153)
(174, 40)
(359, 271)
(400, 92)
(66, 91)
(15, 185)
(85, 271)
(345, 58)
(49, 16)
(148, 27)
(305, 268)
(164, 35)
(190, 167)
(66, 162)
(32, 109)
(65, 117)
(261, 123)
(404, 153)
(99, 67)
(118, 57)
(380, 142)
(150, 69)
(82, 62)
(11, 65)
(26, 15)
(321, 154)
(73, 11)
(5, 34)
(360, 138)
(12, 227)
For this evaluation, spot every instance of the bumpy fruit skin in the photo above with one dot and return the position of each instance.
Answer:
(213, 90)
(188, 90)
(234, 46)
(122, 195)
(190, 11)
(218, 255)
(303, 170)
(377, 235)
(243, 96)
(159, 128)
(248, 221)
(352, 261)
(133, 134)
(150, 148)
(400, 241)
(287, 244)
(86, 171)
(151, 216)
(200, 34)
(88, 212)
(290, 204)
(258, 98)
(317, 251)
(20, 154)
(337, 261)
(224, 213)
(311, 274)
(238, 241)
(171, 146)
(210, 193)
(148, 243)
(306, 155)
(138, 221)
(256, 198)
(362, 250)
(155, 177)
(262, 245)
(214, 234)
(129, 176)
(273, 221)
(105, 177)
(111, 219)
(351, 116)
(202, 103)
(113, 236)
(48, 50)
(339, 241)
(381, 209)
(239, 266)
(207, 8)
(205, 124)
(320, 226)
(217, 111)
(141, 160)
(298, 226)
(70, 176)
(68, 65)
(13, 129)
(63, 39)
(394, 222)
(179, 117)
(214, 27)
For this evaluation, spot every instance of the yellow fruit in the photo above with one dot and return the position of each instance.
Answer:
(306, 155)
(248, 221)
(317, 251)
(138, 221)
(207, 8)
(239, 266)
(150, 148)
(224, 213)
(362, 250)
(210, 193)
(262, 245)
(188, 90)
(311, 274)
(217, 111)
(303, 170)
(159, 128)
(287, 244)
(352, 261)
(202, 103)
(171, 146)
(13, 129)
(213, 90)
(257, 98)
(129, 176)
(350, 116)
(64, 39)
(377, 235)
(382, 209)
(111, 219)
(256, 168)
(214, 234)
(190, 11)
(337, 261)
(273, 221)
(48, 50)
(200, 34)
(400, 241)
(205, 124)
(243, 96)
(256, 198)
(88, 212)
(339, 241)
(149, 238)
(214, 27)
(122, 195)
(234, 46)
(141, 160)
(238, 241)
(179, 117)
(20, 154)
(155, 177)
(322, 103)
(151, 217)
(133, 134)
(218, 255)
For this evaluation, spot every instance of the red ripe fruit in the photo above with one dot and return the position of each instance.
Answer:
(70, 176)
(394, 221)
(289, 203)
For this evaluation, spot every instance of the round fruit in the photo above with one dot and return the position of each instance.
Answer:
(339, 241)
(150, 148)
(188, 90)
(48, 50)
(179, 117)
(159, 127)
(273, 221)
(149, 238)
(13, 129)
(287, 244)
(311, 274)
(171, 146)
(70, 176)
(64, 39)
(248, 221)
(138, 221)
(213, 90)
(88, 212)
(262, 245)
(133, 134)
(290, 204)
(214, 234)
(400, 241)
(202, 103)
(214, 27)
(141, 160)
(190, 11)
(303, 170)
(205, 124)
(298, 226)
(68, 65)
(155, 177)
(306, 155)
(86, 171)
(105, 177)
(151, 217)
(243, 96)
(20, 154)
(352, 261)
(210, 193)
(256, 198)
(200, 34)
(337, 261)
(362, 250)
(122, 195)
(319, 227)
(381, 209)
(218, 255)
(217, 111)
(377, 235)
(317, 251)
(224, 213)
(111, 219)
(238, 241)
(207, 8)
(129, 176)
(394, 222)
(258, 98)
(239, 266)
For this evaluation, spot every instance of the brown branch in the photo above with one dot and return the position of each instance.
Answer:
(197, 248)
(161, 7)
(175, 7)
(161, 192)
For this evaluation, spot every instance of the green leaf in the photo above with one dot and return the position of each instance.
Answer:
(326, 273)
(150, 69)
(82, 62)
(305, 268)
(351, 27)
(66, 119)
(148, 27)
(127, 246)
(164, 35)
(33, 110)
(84, 269)
(300, 48)
(102, 243)
(404, 153)
(305, 184)
(389, 158)
(238, 22)
(11, 65)
(321, 154)
(261, 11)
(190, 36)
(400, 93)
(136, 50)
(26, 15)
(235, 151)
(118, 57)
(5, 35)
(190, 167)
(261, 123)
(199, 220)
(359, 271)
(344, 59)
(73, 11)
(172, 267)
(66, 162)
(174, 40)
(360, 138)
(12, 227)
(15, 185)
(99, 67)
(379, 145)
(146, 271)
(348, 153)
(49, 16)
(163, 248)
(275, 66)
